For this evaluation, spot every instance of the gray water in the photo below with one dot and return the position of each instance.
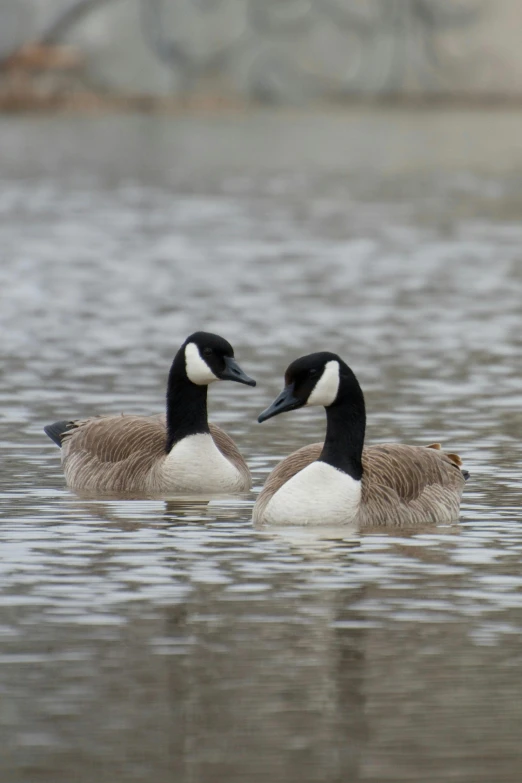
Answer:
(153, 641)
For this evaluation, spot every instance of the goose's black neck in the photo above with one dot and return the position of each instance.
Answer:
(345, 428)
(186, 404)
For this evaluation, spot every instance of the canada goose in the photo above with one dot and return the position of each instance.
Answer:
(337, 482)
(157, 455)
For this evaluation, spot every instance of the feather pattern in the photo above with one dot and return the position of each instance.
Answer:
(111, 454)
(401, 485)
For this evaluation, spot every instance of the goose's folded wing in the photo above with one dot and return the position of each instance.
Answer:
(113, 453)
(113, 439)
(413, 483)
(408, 470)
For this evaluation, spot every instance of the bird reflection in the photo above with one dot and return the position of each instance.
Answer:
(129, 512)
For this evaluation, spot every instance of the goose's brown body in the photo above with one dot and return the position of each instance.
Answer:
(127, 454)
(401, 485)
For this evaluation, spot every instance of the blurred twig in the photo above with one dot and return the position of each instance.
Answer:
(57, 28)
(67, 18)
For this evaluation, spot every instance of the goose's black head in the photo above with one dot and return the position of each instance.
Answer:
(208, 357)
(317, 379)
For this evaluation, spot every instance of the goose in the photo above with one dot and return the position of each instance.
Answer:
(160, 455)
(338, 482)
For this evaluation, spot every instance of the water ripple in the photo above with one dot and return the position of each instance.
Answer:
(172, 640)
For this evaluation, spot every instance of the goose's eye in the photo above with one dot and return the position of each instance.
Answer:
(313, 372)
(207, 351)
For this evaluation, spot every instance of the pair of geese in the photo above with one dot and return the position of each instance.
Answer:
(335, 482)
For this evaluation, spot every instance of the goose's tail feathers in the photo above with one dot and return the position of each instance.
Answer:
(56, 430)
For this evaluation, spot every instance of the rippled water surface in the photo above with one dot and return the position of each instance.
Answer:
(171, 641)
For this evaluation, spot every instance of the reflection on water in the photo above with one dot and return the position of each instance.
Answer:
(170, 640)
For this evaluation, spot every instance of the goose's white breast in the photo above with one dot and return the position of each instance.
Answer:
(195, 464)
(317, 495)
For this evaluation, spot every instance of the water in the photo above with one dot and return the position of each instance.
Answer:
(172, 642)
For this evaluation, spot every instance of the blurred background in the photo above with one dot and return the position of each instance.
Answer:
(296, 175)
(156, 52)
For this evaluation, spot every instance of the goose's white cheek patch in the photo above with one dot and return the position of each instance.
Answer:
(326, 388)
(197, 369)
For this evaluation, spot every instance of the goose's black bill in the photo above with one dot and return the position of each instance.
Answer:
(233, 372)
(286, 401)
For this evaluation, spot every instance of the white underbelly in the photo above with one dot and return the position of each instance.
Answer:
(195, 464)
(317, 495)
